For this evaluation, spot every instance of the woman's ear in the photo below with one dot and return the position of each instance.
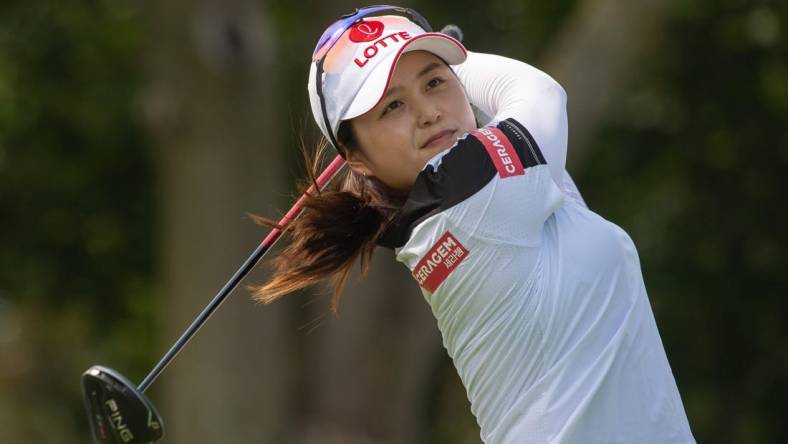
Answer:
(357, 162)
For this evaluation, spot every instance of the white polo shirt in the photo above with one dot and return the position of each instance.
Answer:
(540, 301)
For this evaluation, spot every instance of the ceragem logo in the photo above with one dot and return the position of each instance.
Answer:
(501, 151)
(439, 262)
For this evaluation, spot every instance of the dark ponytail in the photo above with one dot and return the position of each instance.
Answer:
(336, 227)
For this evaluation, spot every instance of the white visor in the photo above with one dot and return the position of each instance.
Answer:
(358, 68)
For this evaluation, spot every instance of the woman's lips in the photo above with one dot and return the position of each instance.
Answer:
(439, 139)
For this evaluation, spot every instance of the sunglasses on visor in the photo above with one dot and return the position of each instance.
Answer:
(333, 34)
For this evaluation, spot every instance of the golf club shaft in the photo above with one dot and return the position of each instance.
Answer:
(325, 177)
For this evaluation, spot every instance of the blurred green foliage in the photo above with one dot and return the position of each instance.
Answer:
(77, 215)
(690, 162)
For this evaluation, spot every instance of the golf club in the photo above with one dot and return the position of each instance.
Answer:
(118, 411)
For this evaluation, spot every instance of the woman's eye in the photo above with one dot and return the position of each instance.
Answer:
(392, 106)
(435, 82)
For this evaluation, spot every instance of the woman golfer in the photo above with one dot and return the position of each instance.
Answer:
(540, 301)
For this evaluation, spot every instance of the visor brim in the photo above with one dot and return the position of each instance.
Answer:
(372, 91)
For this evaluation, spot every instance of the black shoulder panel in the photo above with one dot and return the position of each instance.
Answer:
(463, 171)
(523, 142)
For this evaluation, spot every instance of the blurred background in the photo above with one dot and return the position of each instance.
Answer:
(136, 136)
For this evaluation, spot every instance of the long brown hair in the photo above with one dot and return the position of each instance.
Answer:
(336, 227)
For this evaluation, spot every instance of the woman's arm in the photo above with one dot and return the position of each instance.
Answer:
(502, 87)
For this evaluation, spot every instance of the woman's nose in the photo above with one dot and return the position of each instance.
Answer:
(429, 113)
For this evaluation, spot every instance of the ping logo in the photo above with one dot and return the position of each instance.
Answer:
(366, 31)
(439, 262)
(116, 419)
(501, 151)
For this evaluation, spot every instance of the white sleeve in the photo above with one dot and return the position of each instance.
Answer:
(506, 88)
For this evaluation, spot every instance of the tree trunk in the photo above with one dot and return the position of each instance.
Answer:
(367, 370)
(210, 106)
(596, 54)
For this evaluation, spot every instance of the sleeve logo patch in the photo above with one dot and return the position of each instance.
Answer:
(439, 262)
(501, 151)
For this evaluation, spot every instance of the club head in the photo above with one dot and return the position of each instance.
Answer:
(117, 411)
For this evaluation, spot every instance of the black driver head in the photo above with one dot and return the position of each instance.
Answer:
(117, 411)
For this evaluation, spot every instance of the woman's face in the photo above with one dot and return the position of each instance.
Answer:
(423, 112)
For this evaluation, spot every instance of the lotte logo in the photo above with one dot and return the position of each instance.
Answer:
(366, 31)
